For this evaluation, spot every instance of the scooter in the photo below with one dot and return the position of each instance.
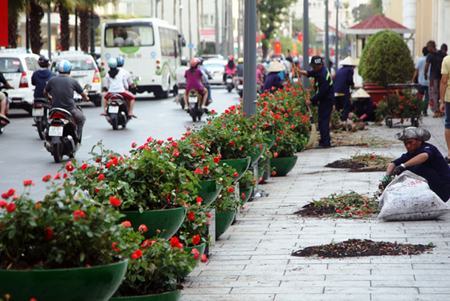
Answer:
(195, 110)
(229, 83)
(4, 121)
(40, 115)
(61, 134)
(117, 111)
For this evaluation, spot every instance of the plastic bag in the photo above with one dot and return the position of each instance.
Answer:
(408, 197)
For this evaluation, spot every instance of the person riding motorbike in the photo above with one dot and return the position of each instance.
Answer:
(116, 82)
(41, 77)
(194, 81)
(120, 64)
(230, 69)
(3, 99)
(60, 90)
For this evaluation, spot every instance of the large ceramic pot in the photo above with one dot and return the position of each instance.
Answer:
(167, 296)
(240, 165)
(167, 221)
(223, 221)
(209, 191)
(97, 283)
(283, 165)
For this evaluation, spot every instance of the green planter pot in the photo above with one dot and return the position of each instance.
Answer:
(248, 193)
(168, 221)
(283, 166)
(96, 283)
(167, 296)
(223, 221)
(256, 154)
(209, 191)
(240, 165)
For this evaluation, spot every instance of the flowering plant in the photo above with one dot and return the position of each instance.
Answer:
(66, 229)
(400, 105)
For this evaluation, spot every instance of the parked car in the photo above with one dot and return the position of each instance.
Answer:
(85, 71)
(216, 68)
(18, 66)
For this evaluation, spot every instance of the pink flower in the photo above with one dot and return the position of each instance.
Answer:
(195, 253)
(126, 224)
(143, 228)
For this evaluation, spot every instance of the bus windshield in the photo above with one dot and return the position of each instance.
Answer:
(129, 35)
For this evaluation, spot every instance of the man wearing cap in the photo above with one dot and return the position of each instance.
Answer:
(323, 97)
(423, 159)
(342, 85)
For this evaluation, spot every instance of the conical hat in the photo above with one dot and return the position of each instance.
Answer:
(348, 61)
(276, 67)
(360, 93)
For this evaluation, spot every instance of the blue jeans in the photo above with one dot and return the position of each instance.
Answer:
(426, 97)
(447, 115)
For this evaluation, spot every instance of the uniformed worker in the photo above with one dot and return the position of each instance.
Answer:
(423, 159)
(323, 97)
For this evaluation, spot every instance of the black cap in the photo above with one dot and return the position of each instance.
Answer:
(316, 60)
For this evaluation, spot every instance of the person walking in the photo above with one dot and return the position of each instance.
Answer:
(419, 77)
(342, 84)
(433, 65)
(444, 102)
(323, 97)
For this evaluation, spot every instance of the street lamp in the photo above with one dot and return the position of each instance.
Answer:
(250, 57)
(337, 35)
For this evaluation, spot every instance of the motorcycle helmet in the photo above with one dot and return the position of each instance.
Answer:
(194, 62)
(64, 66)
(120, 61)
(231, 58)
(43, 62)
(112, 63)
(240, 60)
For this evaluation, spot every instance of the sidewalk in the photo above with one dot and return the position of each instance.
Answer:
(252, 260)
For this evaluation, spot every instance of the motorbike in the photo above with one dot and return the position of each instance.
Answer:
(229, 83)
(117, 111)
(240, 86)
(40, 115)
(195, 99)
(4, 121)
(61, 134)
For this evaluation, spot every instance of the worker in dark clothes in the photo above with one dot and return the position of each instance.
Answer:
(343, 82)
(423, 159)
(323, 97)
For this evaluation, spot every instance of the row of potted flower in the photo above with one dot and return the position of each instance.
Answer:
(148, 210)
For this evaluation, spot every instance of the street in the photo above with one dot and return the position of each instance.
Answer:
(23, 155)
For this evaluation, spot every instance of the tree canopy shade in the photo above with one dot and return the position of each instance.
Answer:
(386, 59)
(271, 13)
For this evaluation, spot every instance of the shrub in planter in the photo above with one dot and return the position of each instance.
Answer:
(246, 185)
(400, 105)
(68, 235)
(378, 66)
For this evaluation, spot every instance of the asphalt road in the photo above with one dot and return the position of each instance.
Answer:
(23, 156)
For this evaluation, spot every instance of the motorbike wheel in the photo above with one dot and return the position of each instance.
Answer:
(115, 122)
(57, 152)
(40, 128)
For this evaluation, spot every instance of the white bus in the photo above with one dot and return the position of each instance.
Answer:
(151, 48)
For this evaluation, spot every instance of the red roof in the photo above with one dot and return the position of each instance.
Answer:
(378, 22)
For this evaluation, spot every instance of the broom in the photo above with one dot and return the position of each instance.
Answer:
(313, 135)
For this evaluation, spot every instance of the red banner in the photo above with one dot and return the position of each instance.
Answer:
(4, 23)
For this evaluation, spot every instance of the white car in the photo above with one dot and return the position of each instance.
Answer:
(17, 68)
(216, 68)
(85, 71)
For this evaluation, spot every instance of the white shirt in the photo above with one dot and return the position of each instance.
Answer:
(118, 84)
(127, 76)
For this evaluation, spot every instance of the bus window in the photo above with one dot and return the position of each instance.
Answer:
(129, 35)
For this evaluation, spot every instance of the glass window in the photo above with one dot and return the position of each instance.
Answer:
(169, 43)
(129, 35)
(82, 64)
(10, 65)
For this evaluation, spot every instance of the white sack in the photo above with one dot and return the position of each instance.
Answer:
(408, 197)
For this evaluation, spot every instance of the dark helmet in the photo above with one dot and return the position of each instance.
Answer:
(43, 61)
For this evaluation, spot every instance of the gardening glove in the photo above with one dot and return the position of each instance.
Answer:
(399, 169)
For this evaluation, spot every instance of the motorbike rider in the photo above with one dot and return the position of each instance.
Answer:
(230, 68)
(120, 64)
(41, 77)
(60, 90)
(194, 81)
(116, 82)
(206, 76)
(3, 99)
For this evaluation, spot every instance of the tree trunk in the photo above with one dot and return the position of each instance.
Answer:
(64, 38)
(12, 29)
(84, 29)
(265, 49)
(36, 15)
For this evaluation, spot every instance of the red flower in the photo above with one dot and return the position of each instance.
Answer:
(199, 200)
(114, 247)
(338, 211)
(69, 167)
(143, 228)
(101, 177)
(48, 233)
(126, 224)
(230, 189)
(216, 160)
(191, 216)
(136, 254)
(243, 196)
(196, 239)
(57, 176)
(28, 183)
(115, 201)
(204, 258)
(46, 178)
(3, 203)
(147, 243)
(275, 155)
(78, 214)
(64, 176)
(11, 207)
(213, 112)
(33, 299)
(133, 145)
(195, 253)
(205, 169)
(232, 143)
(235, 174)
(84, 166)
(176, 153)
(98, 159)
(175, 243)
(198, 171)
(8, 194)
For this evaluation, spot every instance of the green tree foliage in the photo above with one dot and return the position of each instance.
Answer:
(364, 11)
(386, 59)
(271, 13)
(297, 26)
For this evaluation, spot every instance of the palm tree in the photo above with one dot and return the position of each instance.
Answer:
(85, 9)
(36, 13)
(15, 7)
(64, 8)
